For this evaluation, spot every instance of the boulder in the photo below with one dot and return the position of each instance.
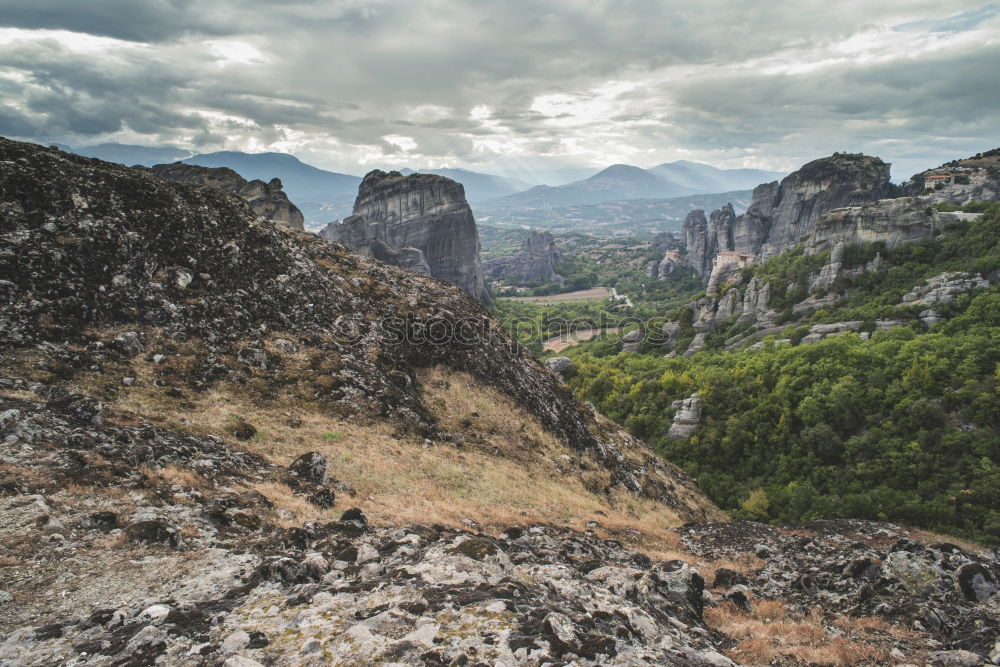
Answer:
(310, 467)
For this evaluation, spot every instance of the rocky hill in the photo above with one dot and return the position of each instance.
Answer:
(782, 214)
(976, 178)
(534, 262)
(226, 442)
(421, 222)
(265, 199)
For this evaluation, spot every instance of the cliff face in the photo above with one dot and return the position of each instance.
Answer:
(890, 221)
(828, 183)
(422, 212)
(265, 199)
(534, 262)
(780, 215)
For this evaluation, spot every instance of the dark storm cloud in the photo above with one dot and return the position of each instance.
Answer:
(477, 82)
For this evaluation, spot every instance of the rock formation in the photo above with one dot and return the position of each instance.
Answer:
(961, 181)
(420, 221)
(265, 199)
(686, 418)
(889, 221)
(533, 263)
(780, 215)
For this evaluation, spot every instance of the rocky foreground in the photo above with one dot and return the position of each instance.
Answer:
(158, 568)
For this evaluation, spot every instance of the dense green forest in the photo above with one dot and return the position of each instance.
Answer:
(903, 427)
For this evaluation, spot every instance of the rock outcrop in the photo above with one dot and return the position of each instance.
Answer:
(419, 221)
(686, 418)
(944, 288)
(265, 199)
(781, 215)
(533, 263)
(961, 181)
(892, 222)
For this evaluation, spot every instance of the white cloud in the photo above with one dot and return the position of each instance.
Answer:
(359, 84)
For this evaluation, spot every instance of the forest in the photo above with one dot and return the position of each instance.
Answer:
(903, 427)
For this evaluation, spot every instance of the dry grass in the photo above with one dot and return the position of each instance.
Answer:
(927, 537)
(175, 475)
(509, 470)
(745, 563)
(294, 510)
(768, 633)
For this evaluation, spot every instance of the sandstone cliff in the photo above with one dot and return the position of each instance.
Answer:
(265, 199)
(423, 214)
(534, 262)
(890, 221)
(780, 215)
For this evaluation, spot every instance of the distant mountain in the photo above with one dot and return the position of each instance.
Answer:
(706, 178)
(478, 186)
(624, 182)
(130, 155)
(322, 195)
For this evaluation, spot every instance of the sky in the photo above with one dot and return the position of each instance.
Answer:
(517, 87)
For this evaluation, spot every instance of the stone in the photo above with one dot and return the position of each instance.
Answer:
(559, 365)
(286, 346)
(632, 341)
(534, 262)
(5, 597)
(726, 578)
(420, 211)
(976, 582)
(156, 613)
(310, 467)
(916, 574)
(254, 356)
(955, 659)
(236, 641)
(9, 418)
(240, 661)
(129, 343)
(686, 419)
(354, 514)
(152, 531)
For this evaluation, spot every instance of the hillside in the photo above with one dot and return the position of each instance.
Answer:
(866, 387)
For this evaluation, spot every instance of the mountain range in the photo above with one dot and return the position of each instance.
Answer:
(623, 182)
(324, 195)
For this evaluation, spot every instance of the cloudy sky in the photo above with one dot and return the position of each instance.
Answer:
(509, 85)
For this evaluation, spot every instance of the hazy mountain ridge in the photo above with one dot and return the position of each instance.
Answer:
(625, 182)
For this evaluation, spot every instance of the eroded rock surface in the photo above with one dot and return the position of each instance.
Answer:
(265, 199)
(420, 220)
(534, 262)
